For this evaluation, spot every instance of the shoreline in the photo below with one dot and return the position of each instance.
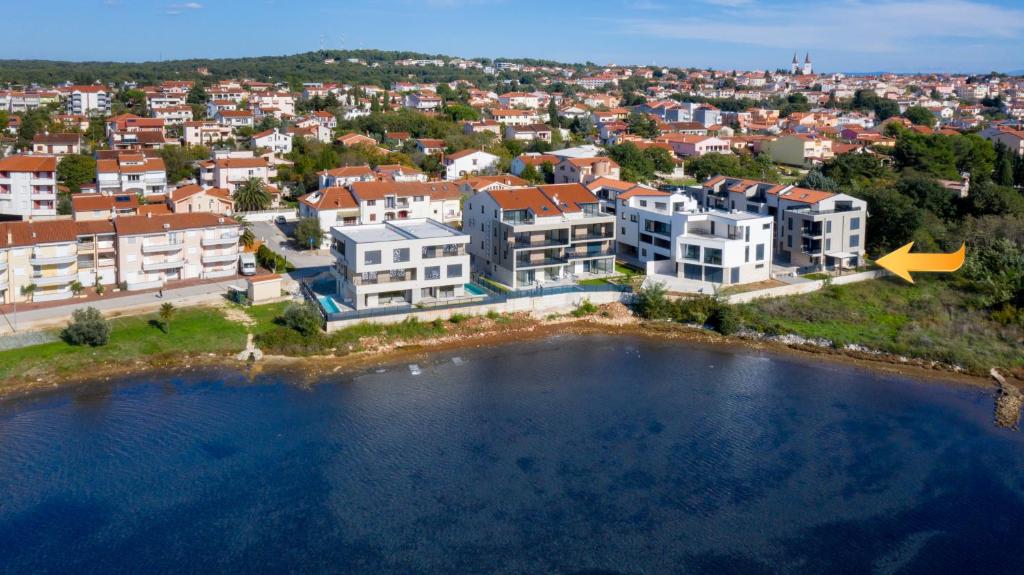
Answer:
(486, 334)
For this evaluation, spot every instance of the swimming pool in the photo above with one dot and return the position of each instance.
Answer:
(328, 304)
(473, 289)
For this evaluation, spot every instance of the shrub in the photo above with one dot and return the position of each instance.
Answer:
(87, 327)
(724, 319)
(653, 303)
(457, 318)
(308, 233)
(694, 310)
(303, 318)
(492, 315)
(586, 307)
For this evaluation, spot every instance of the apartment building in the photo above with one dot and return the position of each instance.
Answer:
(153, 250)
(195, 198)
(346, 175)
(28, 186)
(92, 207)
(585, 170)
(131, 172)
(469, 163)
(671, 233)
(813, 228)
(274, 140)
(230, 169)
(204, 133)
(96, 252)
(522, 237)
(799, 150)
(173, 115)
(417, 261)
(88, 100)
(41, 260)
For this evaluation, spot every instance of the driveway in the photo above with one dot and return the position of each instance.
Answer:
(307, 263)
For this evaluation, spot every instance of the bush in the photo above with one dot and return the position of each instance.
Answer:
(303, 318)
(457, 318)
(585, 308)
(724, 319)
(267, 259)
(694, 310)
(87, 327)
(307, 233)
(653, 303)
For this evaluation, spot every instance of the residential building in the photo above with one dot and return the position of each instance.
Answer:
(408, 262)
(28, 186)
(91, 207)
(684, 145)
(585, 170)
(529, 133)
(195, 198)
(469, 163)
(174, 115)
(346, 175)
(799, 150)
(88, 100)
(57, 144)
(205, 133)
(274, 140)
(522, 237)
(230, 169)
(153, 250)
(133, 173)
(670, 233)
(1013, 138)
(41, 254)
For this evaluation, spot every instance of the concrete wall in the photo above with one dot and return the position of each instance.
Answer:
(804, 287)
(543, 305)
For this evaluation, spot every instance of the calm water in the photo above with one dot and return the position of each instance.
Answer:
(570, 455)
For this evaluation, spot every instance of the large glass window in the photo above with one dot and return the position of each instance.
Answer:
(692, 272)
(854, 223)
(854, 241)
(432, 272)
(713, 256)
(760, 252)
(371, 257)
(401, 255)
(691, 252)
(455, 270)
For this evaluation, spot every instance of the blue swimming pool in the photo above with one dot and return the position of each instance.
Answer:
(473, 289)
(328, 304)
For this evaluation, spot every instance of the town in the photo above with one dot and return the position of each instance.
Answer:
(509, 186)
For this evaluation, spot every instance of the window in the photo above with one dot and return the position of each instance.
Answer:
(746, 254)
(854, 241)
(828, 244)
(643, 203)
(691, 252)
(789, 241)
(398, 275)
(371, 258)
(455, 270)
(766, 226)
(713, 256)
(828, 226)
(371, 202)
(789, 224)
(854, 223)
(713, 275)
(759, 252)
(400, 255)
(432, 273)
(623, 229)
(692, 272)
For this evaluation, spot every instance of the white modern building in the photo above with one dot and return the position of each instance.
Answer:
(88, 100)
(469, 163)
(406, 262)
(131, 172)
(671, 234)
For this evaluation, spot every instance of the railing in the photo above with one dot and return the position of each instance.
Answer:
(539, 262)
(438, 253)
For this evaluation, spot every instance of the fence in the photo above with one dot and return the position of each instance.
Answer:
(804, 287)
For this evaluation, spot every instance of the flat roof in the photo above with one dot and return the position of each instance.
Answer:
(397, 230)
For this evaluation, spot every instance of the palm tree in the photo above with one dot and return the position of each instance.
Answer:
(252, 196)
(248, 238)
(28, 290)
(167, 311)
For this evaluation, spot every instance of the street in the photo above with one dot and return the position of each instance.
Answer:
(308, 263)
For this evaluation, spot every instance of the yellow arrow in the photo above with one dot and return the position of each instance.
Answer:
(901, 262)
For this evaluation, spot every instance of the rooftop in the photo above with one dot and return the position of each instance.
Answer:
(396, 230)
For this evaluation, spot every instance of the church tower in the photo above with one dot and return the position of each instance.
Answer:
(794, 68)
(808, 67)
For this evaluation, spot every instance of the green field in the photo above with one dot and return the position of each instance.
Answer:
(928, 320)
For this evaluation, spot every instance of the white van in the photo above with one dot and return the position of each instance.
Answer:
(247, 264)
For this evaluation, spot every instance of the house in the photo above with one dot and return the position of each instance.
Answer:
(153, 250)
(481, 126)
(86, 207)
(345, 175)
(331, 206)
(315, 131)
(430, 146)
(527, 236)
(608, 191)
(273, 140)
(228, 170)
(355, 139)
(799, 150)
(534, 159)
(469, 163)
(42, 254)
(204, 133)
(669, 233)
(528, 133)
(584, 170)
(28, 186)
(515, 117)
(194, 198)
(131, 172)
(87, 100)
(399, 173)
(1011, 137)
(422, 101)
(173, 115)
(685, 146)
(408, 262)
(57, 144)
(235, 118)
(477, 184)
(813, 229)
(519, 100)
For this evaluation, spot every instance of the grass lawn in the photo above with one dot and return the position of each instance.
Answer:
(265, 314)
(928, 319)
(193, 331)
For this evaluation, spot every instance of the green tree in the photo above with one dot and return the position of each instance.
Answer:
(920, 116)
(642, 126)
(167, 311)
(894, 218)
(531, 174)
(553, 119)
(308, 234)
(248, 238)
(303, 318)
(197, 95)
(87, 327)
(75, 170)
(1002, 172)
(252, 196)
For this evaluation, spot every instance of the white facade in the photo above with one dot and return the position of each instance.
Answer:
(402, 262)
(469, 163)
(28, 186)
(275, 140)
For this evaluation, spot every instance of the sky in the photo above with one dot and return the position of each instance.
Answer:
(841, 35)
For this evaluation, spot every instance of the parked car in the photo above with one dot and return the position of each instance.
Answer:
(280, 220)
(247, 264)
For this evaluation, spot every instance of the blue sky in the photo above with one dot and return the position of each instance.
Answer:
(841, 35)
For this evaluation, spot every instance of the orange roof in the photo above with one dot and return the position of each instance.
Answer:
(333, 198)
(347, 171)
(805, 196)
(28, 164)
(378, 190)
(150, 224)
(38, 232)
(96, 202)
(545, 200)
(640, 191)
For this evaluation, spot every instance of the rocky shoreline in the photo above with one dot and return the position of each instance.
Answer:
(480, 331)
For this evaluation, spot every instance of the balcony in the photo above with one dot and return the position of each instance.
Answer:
(54, 280)
(590, 237)
(584, 254)
(219, 258)
(38, 260)
(160, 266)
(382, 278)
(526, 263)
(431, 253)
(162, 248)
(222, 241)
(811, 231)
